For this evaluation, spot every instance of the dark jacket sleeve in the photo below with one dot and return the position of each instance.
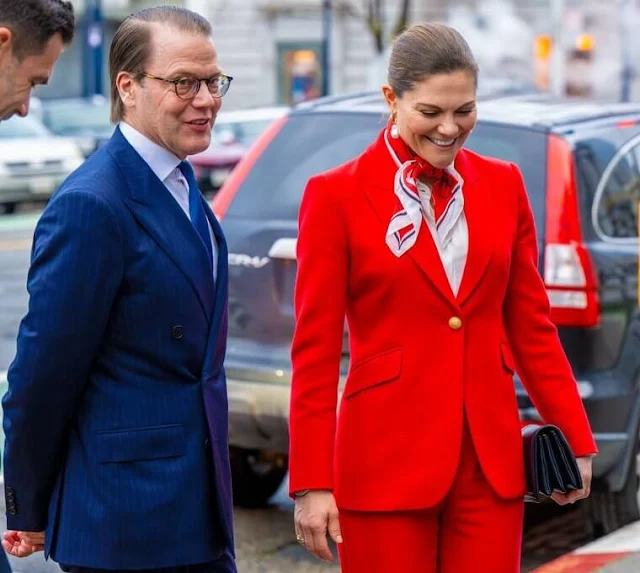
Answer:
(76, 268)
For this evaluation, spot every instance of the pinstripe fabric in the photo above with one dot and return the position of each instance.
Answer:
(116, 413)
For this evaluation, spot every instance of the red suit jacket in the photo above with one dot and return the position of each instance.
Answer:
(420, 357)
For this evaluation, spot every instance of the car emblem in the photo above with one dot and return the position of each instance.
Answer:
(248, 261)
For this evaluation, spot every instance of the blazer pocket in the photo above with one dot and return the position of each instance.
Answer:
(507, 358)
(137, 444)
(379, 369)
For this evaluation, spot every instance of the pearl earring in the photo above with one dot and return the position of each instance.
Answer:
(394, 131)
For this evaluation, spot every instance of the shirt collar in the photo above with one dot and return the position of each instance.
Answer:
(160, 161)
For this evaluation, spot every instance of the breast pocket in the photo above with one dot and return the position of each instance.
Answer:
(137, 444)
(379, 369)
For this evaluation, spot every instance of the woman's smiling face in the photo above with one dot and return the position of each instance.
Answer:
(436, 116)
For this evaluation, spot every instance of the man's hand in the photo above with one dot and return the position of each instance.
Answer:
(584, 465)
(23, 543)
(315, 515)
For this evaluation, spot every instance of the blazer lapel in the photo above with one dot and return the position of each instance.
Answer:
(478, 212)
(162, 218)
(378, 169)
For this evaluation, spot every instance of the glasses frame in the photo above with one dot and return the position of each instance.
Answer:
(200, 80)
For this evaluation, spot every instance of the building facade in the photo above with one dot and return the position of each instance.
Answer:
(274, 48)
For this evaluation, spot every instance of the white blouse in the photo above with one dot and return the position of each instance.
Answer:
(452, 238)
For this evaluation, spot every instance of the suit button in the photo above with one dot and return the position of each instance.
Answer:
(206, 442)
(177, 331)
(455, 323)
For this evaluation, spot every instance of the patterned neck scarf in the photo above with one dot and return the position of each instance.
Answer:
(406, 222)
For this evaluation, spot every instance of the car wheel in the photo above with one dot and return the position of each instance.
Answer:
(609, 511)
(9, 208)
(256, 476)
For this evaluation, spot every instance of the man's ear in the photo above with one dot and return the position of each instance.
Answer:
(127, 88)
(6, 42)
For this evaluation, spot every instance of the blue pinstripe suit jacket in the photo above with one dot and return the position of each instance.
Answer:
(116, 413)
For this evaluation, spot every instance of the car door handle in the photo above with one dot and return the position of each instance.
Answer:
(284, 248)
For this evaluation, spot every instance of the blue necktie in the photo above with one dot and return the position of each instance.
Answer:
(196, 209)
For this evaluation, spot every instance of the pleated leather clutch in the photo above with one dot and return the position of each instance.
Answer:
(550, 464)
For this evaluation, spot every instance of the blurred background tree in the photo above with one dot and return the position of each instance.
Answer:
(375, 17)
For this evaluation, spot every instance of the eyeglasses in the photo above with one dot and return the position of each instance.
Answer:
(188, 87)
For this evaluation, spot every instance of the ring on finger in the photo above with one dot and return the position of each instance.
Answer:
(300, 539)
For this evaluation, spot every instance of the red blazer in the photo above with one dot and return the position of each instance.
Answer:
(420, 356)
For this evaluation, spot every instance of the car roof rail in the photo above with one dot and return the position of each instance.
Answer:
(356, 97)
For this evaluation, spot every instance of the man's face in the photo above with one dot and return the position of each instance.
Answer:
(18, 78)
(182, 126)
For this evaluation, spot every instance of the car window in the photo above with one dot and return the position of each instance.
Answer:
(244, 132)
(311, 143)
(22, 127)
(306, 145)
(249, 131)
(67, 120)
(527, 149)
(618, 194)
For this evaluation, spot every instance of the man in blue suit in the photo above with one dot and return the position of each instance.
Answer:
(116, 414)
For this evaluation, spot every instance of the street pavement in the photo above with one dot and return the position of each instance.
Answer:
(618, 552)
(265, 540)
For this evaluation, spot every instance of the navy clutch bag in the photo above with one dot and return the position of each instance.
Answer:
(549, 462)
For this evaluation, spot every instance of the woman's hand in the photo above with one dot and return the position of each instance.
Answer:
(584, 465)
(316, 514)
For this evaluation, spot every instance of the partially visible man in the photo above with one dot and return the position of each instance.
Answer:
(32, 36)
(116, 415)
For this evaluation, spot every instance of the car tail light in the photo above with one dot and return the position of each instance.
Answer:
(223, 198)
(568, 270)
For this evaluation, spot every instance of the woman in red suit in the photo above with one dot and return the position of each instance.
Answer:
(429, 250)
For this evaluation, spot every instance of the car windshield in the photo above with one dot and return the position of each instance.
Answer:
(79, 118)
(17, 127)
(311, 143)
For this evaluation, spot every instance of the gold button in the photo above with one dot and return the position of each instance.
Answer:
(455, 323)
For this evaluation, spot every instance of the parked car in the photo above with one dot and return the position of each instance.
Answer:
(87, 120)
(581, 164)
(233, 133)
(33, 162)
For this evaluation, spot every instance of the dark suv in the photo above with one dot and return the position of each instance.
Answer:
(581, 164)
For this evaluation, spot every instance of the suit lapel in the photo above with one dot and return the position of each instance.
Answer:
(478, 213)
(162, 218)
(378, 169)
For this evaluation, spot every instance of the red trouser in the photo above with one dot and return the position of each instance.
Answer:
(471, 531)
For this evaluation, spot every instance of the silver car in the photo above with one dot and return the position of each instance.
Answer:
(33, 162)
